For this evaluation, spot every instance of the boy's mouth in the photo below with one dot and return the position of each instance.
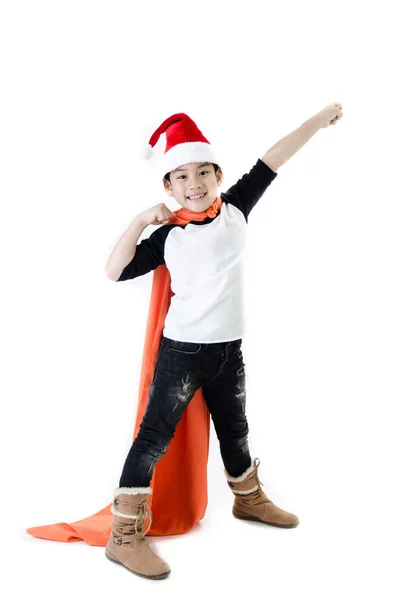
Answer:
(197, 197)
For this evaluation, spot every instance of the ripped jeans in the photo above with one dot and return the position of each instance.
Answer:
(182, 368)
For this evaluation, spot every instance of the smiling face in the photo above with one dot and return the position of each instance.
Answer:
(194, 179)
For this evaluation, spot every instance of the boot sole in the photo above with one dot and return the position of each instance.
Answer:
(111, 557)
(244, 516)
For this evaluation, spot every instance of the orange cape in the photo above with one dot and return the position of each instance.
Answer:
(179, 481)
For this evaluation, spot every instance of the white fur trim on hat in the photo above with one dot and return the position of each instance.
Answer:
(240, 478)
(187, 152)
(132, 490)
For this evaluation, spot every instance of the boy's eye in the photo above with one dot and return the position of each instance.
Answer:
(200, 173)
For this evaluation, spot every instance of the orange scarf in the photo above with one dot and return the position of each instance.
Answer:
(179, 482)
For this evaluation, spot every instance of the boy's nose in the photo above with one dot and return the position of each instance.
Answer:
(194, 185)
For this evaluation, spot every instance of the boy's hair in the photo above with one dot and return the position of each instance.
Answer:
(167, 176)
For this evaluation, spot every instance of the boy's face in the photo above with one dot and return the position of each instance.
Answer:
(194, 179)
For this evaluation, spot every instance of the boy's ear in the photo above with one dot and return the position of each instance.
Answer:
(219, 176)
(167, 186)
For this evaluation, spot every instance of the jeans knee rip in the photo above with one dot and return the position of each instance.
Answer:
(183, 394)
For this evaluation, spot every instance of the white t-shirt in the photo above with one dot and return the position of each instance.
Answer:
(204, 259)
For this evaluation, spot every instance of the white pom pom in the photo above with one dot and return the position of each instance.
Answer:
(147, 151)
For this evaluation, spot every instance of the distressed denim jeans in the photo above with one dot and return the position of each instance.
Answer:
(182, 368)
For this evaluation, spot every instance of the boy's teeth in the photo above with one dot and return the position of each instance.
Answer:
(194, 197)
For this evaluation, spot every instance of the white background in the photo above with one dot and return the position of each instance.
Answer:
(84, 85)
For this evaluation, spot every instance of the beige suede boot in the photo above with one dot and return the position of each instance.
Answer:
(252, 504)
(127, 545)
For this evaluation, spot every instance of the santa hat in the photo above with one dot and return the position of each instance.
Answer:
(185, 143)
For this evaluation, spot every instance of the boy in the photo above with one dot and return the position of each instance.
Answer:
(201, 246)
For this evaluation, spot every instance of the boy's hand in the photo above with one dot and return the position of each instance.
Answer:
(156, 215)
(330, 114)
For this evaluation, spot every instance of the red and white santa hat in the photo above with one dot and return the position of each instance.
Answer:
(185, 143)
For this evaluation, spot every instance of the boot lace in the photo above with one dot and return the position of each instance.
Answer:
(134, 529)
(258, 496)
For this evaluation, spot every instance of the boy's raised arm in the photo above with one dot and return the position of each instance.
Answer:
(124, 250)
(282, 151)
(130, 259)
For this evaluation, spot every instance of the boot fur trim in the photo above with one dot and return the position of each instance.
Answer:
(240, 478)
(132, 491)
(245, 492)
(122, 515)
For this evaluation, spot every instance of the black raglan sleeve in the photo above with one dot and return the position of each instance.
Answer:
(149, 254)
(246, 192)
